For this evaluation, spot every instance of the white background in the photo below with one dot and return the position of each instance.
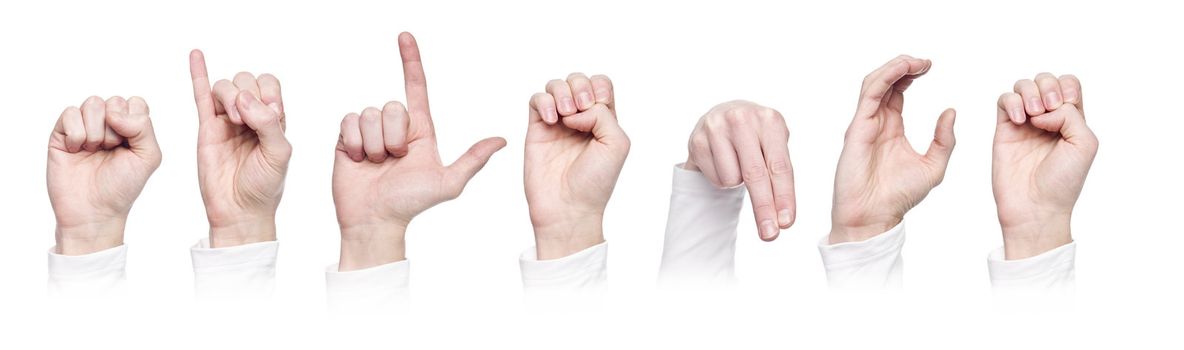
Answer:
(670, 62)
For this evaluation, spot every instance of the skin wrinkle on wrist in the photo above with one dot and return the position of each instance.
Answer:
(365, 246)
(243, 232)
(89, 238)
(560, 240)
(844, 233)
(1035, 238)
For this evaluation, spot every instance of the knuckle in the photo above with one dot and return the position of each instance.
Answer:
(92, 101)
(727, 181)
(1023, 84)
(738, 115)
(243, 76)
(370, 113)
(555, 84)
(348, 120)
(699, 145)
(780, 167)
(770, 115)
(754, 173)
(602, 78)
(540, 99)
(394, 106)
(763, 207)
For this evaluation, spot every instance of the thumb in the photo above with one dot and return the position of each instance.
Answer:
(1070, 123)
(265, 121)
(601, 121)
(136, 127)
(467, 166)
(942, 147)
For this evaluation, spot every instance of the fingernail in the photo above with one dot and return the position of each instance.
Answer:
(1034, 104)
(783, 217)
(585, 100)
(566, 105)
(549, 115)
(768, 229)
(1017, 115)
(1052, 100)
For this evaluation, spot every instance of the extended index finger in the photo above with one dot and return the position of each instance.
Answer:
(415, 81)
(877, 84)
(201, 85)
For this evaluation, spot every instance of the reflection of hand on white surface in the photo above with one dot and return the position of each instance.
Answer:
(880, 177)
(100, 157)
(242, 153)
(575, 150)
(1042, 153)
(387, 170)
(742, 142)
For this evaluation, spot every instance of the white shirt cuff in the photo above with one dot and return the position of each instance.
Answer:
(1051, 270)
(582, 271)
(870, 264)
(381, 287)
(699, 248)
(99, 273)
(240, 271)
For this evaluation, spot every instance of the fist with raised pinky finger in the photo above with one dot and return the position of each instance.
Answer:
(242, 153)
(100, 157)
(575, 150)
(1043, 151)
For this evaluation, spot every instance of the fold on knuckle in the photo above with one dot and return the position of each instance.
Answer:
(754, 173)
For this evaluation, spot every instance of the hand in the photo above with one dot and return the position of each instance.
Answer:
(242, 154)
(574, 152)
(880, 177)
(100, 157)
(741, 141)
(1043, 151)
(388, 170)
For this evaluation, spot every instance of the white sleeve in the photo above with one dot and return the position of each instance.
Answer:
(379, 288)
(233, 272)
(95, 274)
(584, 271)
(874, 263)
(699, 248)
(1050, 271)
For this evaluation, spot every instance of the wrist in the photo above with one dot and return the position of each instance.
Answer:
(240, 232)
(365, 246)
(1033, 238)
(860, 231)
(567, 237)
(86, 238)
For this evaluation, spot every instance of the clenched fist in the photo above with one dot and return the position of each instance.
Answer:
(387, 170)
(880, 177)
(242, 154)
(100, 157)
(743, 142)
(574, 152)
(1042, 154)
